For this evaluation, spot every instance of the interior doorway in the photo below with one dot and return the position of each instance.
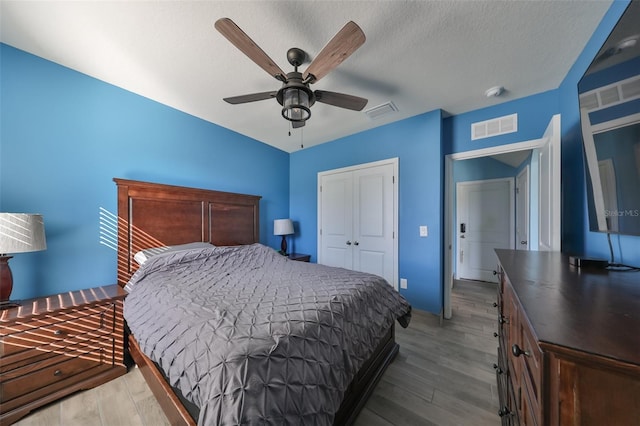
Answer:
(547, 155)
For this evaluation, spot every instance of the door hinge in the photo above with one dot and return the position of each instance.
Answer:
(393, 179)
(517, 190)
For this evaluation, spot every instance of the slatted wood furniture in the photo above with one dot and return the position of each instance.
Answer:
(151, 214)
(569, 342)
(56, 345)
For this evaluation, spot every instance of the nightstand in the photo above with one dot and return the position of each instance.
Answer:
(300, 257)
(56, 345)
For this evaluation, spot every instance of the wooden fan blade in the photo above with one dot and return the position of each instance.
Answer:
(339, 48)
(297, 124)
(243, 42)
(340, 100)
(243, 99)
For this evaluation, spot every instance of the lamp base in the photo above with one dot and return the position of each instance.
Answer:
(283, 246)
(6, 279)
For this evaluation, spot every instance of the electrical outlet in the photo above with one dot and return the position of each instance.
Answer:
(403, 283)
(424, 231)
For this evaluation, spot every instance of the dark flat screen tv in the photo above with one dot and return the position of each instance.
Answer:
(610, 120)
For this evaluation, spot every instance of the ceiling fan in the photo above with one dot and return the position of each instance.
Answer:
(295, 96)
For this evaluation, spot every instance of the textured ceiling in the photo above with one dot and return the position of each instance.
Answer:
(420, 55)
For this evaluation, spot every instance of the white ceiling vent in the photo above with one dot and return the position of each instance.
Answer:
(494, 127)
(381, 110)
(612, 94)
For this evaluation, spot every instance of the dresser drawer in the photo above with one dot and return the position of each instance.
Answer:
(46, 372)
(48, 333)
(532, 369)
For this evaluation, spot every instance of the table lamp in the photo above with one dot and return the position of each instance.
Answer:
(19, 233)
(283, 227)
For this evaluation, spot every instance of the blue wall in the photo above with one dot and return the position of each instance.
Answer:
(65, 135)
(534, 113)
(576, 237)
(417, 143)
(483, 168)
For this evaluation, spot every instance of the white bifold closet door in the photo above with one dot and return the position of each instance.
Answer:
(357, 215)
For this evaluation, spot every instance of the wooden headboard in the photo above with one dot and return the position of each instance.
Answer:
(154, 215)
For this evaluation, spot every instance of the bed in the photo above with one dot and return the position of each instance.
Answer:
(153, 215)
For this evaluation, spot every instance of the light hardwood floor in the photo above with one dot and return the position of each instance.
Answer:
(443, 376)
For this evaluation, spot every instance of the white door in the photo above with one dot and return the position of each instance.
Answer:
(522, 210)
(357, 218)
(485, 222)
(336, 224)
(373, 221)
(549, 193)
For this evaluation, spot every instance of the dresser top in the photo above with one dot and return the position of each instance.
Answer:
(58, 302)
(595, 311)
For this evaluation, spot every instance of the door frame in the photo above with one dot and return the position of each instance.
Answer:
(449, 228)
(510, 194)
(395, 161)
(527, 175)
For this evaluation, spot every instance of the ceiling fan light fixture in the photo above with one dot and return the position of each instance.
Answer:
(295, 104)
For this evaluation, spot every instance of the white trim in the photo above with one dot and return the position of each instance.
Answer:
(495, 150)
(527, 209)
(615, 123)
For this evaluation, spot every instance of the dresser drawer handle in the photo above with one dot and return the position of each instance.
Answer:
(498, 369)
(516, 351)
(57, 373)
(502, 319)
(504, 411)
(58, 332)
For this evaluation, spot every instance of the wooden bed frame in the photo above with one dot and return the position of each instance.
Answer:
(152, 215)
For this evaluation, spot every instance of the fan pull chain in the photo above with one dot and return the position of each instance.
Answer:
(302, 137)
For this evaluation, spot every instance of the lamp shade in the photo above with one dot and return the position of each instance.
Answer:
(282, 227)
(21, 232)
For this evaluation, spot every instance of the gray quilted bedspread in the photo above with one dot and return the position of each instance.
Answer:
(252, 337)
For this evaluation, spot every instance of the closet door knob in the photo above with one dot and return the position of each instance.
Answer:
(348, 243)
(355, 243)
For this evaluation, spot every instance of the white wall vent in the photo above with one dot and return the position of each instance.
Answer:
(381, 110)
(612, 94)
(494, 127)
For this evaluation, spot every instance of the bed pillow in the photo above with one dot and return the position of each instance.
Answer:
(144, 255)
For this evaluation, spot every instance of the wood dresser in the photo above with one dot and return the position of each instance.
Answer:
(569, 342)
(53, 346)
